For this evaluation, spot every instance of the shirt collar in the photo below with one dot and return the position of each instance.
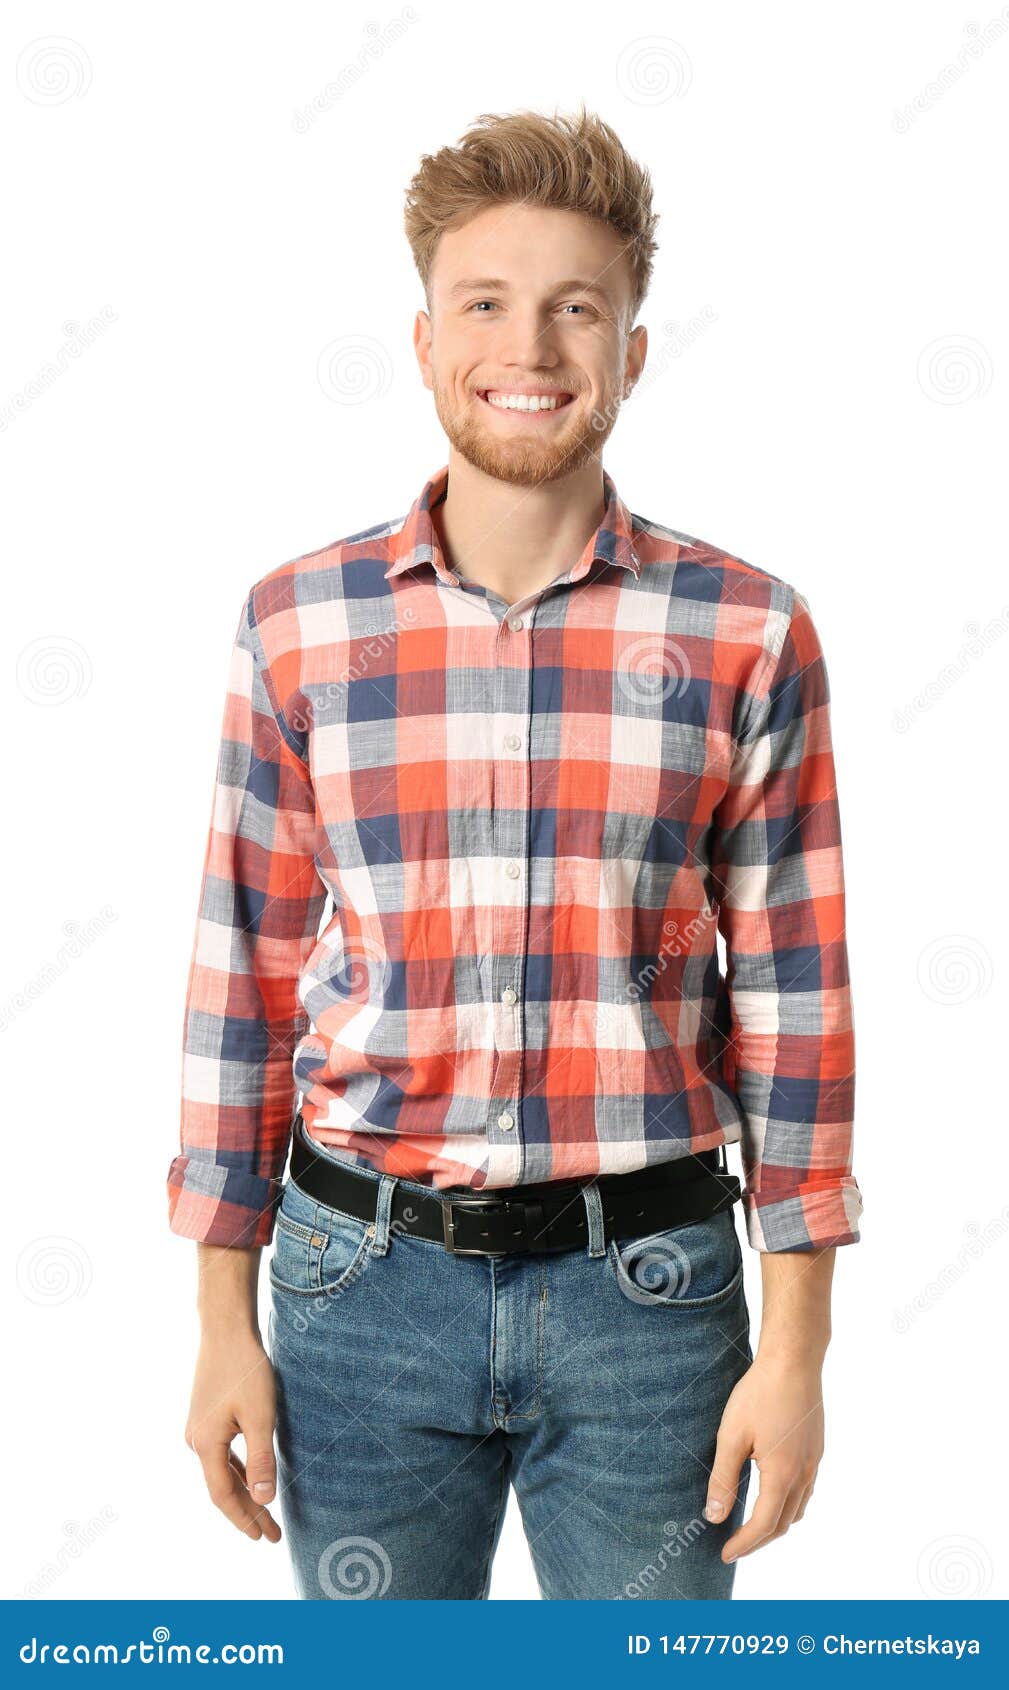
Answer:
(417, 542)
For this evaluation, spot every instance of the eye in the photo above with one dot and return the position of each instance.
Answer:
(575, 305)
(477, 302)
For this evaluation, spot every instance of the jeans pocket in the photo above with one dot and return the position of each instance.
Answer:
(316, 1250)
(696, 1265)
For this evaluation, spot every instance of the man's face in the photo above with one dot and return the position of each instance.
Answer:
(526, 300)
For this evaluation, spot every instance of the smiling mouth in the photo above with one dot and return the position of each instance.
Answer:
(525, 404)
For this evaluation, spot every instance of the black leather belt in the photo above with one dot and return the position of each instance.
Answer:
(525, 1218)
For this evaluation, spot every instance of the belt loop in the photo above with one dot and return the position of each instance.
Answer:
(383, 1209)
(594, 1210)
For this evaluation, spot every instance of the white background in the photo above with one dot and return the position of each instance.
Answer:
(839, 420)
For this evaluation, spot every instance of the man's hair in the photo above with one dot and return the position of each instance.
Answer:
(569, 163)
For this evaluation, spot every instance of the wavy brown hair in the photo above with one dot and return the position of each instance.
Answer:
(572, 163)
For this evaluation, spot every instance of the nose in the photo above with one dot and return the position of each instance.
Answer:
(527, 339)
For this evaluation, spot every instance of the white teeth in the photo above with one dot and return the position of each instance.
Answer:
(524, 401)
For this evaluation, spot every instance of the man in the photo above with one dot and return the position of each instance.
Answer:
(538, 751)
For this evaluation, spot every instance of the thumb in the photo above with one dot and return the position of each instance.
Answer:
(260, 1465)
(731, 1451)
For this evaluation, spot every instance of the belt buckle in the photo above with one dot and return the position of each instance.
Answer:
(448, 1224)
(530, 1209)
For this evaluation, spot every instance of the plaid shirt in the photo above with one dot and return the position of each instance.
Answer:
(532, 821)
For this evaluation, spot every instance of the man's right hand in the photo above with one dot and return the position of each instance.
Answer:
(234, 1394)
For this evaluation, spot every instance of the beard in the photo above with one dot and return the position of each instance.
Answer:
(527, 462)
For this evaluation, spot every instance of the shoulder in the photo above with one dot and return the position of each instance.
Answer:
(703, 569)
(727, 597)
(315, 576)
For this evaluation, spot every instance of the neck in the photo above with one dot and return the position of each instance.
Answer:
(515, 540)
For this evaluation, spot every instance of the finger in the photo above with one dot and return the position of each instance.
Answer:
(730, 1453)
(800, 1511)
(259, 1462)
(261, 1514)
(787, 1516)
(762, 1522)
(226, 1488)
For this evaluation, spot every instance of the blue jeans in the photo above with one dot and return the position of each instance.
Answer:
(414, 1386)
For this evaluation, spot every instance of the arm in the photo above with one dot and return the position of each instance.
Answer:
(779, 876)
(260, 904)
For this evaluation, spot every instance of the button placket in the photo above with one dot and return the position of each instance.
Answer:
(510, 833)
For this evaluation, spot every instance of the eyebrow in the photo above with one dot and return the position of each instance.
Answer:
(497, 284)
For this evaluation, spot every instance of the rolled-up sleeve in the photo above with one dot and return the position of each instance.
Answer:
(778, 874)
(260, 905)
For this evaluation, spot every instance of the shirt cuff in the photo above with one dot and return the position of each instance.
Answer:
(813, 1216)
(217, 1205)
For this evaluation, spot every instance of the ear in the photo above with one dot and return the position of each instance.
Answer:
(634, 363)
(422, 331)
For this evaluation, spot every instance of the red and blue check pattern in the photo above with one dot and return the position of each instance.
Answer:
(525, 826)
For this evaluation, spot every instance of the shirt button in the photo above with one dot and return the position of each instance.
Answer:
(512, 870)
(506, 1122)
(516, 624)
(509, 995)
(513, 741)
